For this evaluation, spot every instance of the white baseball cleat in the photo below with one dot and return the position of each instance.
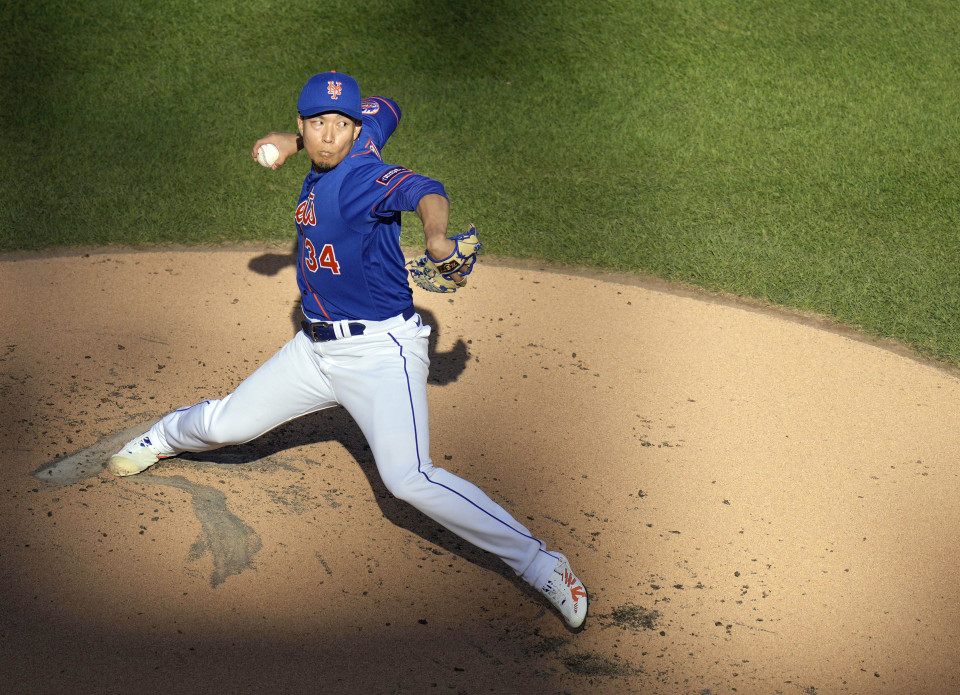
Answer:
(567, 593)
(136, 456)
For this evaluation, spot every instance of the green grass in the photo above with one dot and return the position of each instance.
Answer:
(804, 153)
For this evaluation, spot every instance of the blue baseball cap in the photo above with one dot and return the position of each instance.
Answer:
(330, 91)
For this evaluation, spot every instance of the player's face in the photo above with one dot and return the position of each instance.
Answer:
(327, 138)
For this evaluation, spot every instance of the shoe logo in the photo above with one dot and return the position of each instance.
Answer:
(576, 589)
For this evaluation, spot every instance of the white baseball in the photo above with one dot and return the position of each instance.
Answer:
(267, 154)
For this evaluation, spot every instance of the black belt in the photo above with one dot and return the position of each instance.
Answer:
(321, 331)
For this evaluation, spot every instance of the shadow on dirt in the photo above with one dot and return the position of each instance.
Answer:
(335, 424)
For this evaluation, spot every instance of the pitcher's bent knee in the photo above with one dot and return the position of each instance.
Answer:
(408, 488)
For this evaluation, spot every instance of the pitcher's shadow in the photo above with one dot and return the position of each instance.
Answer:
(336, 424)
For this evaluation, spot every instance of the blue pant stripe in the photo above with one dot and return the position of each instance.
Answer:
(419, 462)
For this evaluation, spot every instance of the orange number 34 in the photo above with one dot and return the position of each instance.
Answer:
(327, 258)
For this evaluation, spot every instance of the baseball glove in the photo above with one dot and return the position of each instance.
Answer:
(436, 275)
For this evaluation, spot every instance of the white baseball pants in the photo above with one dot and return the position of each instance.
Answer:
(380, 377)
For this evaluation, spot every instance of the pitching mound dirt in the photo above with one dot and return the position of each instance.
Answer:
(756, 503)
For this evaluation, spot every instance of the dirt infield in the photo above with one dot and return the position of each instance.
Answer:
(757, 503)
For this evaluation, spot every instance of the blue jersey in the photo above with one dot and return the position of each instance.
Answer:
(350, 265)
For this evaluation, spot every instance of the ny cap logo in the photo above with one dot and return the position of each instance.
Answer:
(334, 89)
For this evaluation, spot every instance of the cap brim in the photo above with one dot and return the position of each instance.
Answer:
(356, 117)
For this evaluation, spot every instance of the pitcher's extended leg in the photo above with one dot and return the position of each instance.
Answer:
(286, 386)
(390, 406)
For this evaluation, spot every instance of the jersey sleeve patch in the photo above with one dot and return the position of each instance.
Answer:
(369, 107)
(386, 177)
